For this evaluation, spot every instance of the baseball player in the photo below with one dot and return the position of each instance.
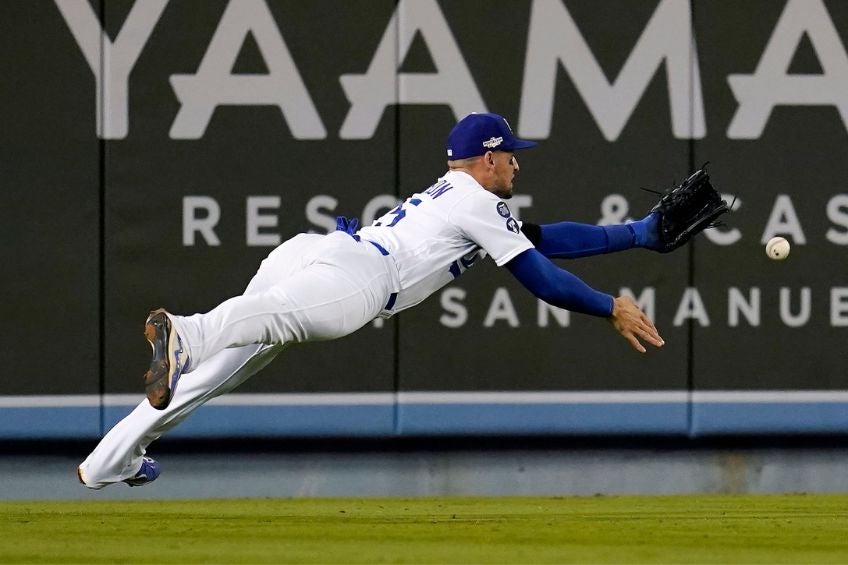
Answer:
(321, 287)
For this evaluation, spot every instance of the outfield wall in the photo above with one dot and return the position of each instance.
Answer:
(154, 151)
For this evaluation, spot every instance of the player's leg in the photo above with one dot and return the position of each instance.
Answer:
(119, 454)
(170, 356)
(345, 285)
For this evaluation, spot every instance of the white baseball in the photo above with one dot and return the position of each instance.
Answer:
(777, 248)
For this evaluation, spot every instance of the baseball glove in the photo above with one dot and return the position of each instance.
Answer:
(686, 210)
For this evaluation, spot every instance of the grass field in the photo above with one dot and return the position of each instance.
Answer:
(601, 529)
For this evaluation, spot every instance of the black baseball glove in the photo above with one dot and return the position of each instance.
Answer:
(686, 210)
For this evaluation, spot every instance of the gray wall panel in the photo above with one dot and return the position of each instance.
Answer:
(798, 157)
(50, 248)
(624, 116)
(568, 177)
(245, 152)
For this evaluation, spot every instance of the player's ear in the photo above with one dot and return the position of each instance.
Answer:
(489, 158)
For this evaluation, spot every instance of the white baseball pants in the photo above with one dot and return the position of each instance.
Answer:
(312, 287)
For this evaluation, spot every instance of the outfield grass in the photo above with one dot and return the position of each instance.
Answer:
(626, 529)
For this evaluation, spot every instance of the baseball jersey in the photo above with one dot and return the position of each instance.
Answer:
(438, 233)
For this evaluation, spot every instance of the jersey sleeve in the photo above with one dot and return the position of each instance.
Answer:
(487, 220)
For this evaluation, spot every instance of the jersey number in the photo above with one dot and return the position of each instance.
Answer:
(399, 212)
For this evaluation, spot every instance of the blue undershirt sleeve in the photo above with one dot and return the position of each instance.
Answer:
(557, 286)
(568, 240)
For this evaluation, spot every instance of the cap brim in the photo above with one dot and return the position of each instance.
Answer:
(523, 144)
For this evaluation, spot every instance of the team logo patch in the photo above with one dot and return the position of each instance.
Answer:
(512, 225)
(503, 209)
(492, 142)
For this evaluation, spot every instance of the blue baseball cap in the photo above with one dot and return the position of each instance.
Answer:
(477, 133)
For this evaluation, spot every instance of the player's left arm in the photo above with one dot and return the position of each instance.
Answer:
(563, 289)
(568, 240)
(557, 286)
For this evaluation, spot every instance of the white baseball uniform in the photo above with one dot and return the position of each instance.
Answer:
(319, 287)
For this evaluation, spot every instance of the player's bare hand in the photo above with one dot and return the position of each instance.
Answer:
(633, 324)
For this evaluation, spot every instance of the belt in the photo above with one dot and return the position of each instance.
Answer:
(349, 227)
(392, 296)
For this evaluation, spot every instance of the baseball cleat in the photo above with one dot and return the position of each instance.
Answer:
(148, 473)
(169, 359)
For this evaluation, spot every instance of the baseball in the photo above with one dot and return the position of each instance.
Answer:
(777, 248)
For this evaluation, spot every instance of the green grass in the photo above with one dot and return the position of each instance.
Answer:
(625, 529)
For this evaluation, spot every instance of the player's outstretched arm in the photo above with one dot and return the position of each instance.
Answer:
(562, 289)
(569, 240)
